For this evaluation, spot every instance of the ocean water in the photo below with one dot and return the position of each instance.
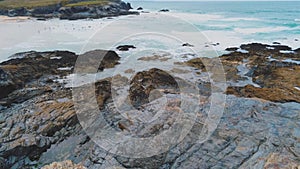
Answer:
(256, 20)
(210, 26)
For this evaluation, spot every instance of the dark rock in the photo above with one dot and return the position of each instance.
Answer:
(126, 6)
(79, 9)
(139, 8)
(11, 13)
(164, 10)
(231, 49)
(3, 163)
(4, 12)
(6, 83)
(20, 11)
(144, 82)
(41, 19)
(125, 47)
(34, 65)
(106, 59)
(276, 43)
(254, 47)
(188, 45)
(45, 10)
(215, 44)
(65, 11)
(129, 6)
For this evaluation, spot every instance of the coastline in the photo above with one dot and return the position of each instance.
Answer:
(37, 91)
(111, 9)
(75, 37)
(95, 91)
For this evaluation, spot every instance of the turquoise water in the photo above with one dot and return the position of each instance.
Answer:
(282, 18)
(226, 23)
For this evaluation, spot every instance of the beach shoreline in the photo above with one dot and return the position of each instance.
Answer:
(72, 35)
(38, 89)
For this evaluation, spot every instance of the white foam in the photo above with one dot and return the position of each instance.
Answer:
(286, 51)
(291, 61)
(240, 19)
(191, 17)
(55, 34)
(261, 30)
(270, 48)
(65, 68)
(285, 60)
(242, 50)
(56, 57)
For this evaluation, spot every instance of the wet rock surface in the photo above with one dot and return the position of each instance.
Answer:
(125, 47)
(164, 10)
(272, 71)
(143, 83)
(38, 111)
(259, 127)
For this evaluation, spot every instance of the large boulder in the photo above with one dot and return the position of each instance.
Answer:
(143, 83)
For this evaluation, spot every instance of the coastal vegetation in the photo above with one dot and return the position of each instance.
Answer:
(13, 4)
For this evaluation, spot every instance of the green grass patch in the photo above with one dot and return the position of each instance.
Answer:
(11, 4)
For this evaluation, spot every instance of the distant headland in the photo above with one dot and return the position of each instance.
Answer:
(65, 9)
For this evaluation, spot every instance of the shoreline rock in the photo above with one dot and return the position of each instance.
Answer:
(164, 10)
(40, 124)
(19, 73)
(274, 71)
(125, 47)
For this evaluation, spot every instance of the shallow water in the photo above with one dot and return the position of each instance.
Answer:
(208, 26)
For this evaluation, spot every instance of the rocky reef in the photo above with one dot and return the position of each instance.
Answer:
(272, 70)
(72, 12)
(259, 127)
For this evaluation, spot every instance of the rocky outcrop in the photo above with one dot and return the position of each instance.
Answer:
(188, 45)
(29, 69)
(38, 111)
(40, 127)
(143, 83)
(114, 8)
(82, 12)
(125, 47)
(272, 94)
(164, 10)
(272, 69)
